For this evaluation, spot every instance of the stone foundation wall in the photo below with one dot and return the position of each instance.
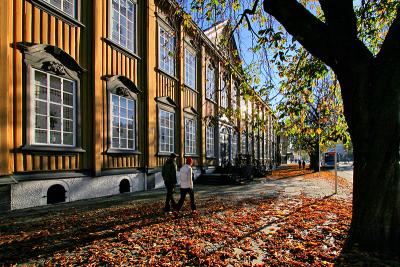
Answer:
(34, 193)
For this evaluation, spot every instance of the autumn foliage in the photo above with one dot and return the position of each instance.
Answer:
(250, 230)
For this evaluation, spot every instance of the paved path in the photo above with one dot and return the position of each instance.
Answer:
(284, 187)
(345, 170)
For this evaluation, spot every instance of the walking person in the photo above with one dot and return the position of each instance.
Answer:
(299, 164)
(187, 185)
(304, 165)
(169, 176)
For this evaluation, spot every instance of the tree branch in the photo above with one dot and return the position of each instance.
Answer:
(304, 26)
(244, 15)
(391, 45)
(340, 17)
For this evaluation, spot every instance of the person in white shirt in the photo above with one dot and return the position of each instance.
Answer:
(186, 185)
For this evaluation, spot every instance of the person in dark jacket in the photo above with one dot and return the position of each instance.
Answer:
(299, 164)
(169, 177)
(304, 165)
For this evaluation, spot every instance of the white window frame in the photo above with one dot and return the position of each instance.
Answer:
(256, 147)
(190, 136)
(166, 50)
(223, 140)
(224, 92)
(48, 103)
(170, 128)
(234, 96)
(210, 141)
(210, 82)
(243, 107)
(190, 70)
(249, 108)
(120, 16)
(250, 145)
(234, 144)
(74, 4)
(243, 145)
(133, 120)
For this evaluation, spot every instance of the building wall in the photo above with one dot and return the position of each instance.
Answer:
(111, 60)
(87, 42)
(27, 23)
(34, 193)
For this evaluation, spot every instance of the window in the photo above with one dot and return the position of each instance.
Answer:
(210, 82)
(210, 141)
(67, 6)
(234, 145)
(56, 194)
(256, 148)
(265, 147)
(124, 23)
(123, 120)
(234, 96)
(250, 147)
(244, 144)
(54, 110)
(167, 131)
(243, 108)
(190, 136)
(166, 51)
(249, 108)
(190, 69)
(224, 146)
(224, 94)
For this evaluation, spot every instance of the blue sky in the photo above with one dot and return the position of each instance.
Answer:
(245, 41)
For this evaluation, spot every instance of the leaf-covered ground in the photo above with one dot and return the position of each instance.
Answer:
(255, 229)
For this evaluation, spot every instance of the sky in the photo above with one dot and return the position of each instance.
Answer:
(245, 41)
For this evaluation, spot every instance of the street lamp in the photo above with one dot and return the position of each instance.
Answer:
(336, 178)
(319, 152)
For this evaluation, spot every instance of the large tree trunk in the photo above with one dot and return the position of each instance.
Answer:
(370, 87)
(376, 189)
(314, 158)
(376, 206)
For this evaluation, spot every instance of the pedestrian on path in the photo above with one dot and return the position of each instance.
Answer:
(299, 164)
(187, 185)
(169, 176)
(304, 165)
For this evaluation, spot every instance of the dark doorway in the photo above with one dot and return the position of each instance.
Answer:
(124, 186)
(56, 194)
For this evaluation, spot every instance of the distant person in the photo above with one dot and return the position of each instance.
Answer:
(299, 164)
(304, 165)
(169, 177)
(187, 185)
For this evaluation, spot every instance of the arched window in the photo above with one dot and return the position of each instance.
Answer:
(124, 186)
(56, 194)
(52, 98)
(123, 101)
(224, 91)
(210, 81)
(244, 143)
(234, 145)
(224, 146)
(210, 140)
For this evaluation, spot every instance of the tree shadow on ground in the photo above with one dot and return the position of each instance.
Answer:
(42, 235)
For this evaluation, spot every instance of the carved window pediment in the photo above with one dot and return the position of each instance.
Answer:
(55, 67)
(121, 85)
(51, 59)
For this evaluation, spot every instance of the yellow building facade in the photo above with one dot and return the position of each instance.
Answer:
(95, 95)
